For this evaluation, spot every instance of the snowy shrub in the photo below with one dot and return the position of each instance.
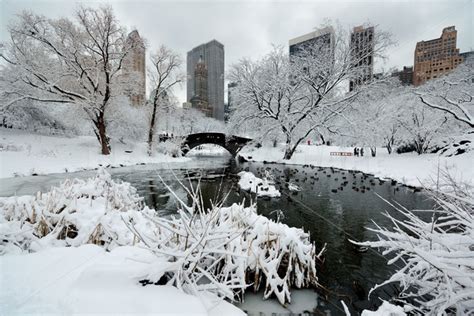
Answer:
(14, 147)
(75, 213)
(41, 118)
(225, 249)
(222, 251)
(436, 257)
(457, 145)
(171, 147)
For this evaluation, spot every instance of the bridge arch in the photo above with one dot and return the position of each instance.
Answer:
(233, 144)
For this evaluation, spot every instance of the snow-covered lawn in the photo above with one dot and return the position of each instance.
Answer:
(23, 153)
(89, 280)
(410, 168)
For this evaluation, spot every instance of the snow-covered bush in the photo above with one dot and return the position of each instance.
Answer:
(221, 251)
(50, 119)
(76, 212)
(171, 147)
(226, 249)
(436, 257)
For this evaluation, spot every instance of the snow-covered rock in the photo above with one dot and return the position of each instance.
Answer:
(386, 309)
(262, 187)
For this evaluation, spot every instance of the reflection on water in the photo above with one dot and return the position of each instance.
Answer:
(333, 205)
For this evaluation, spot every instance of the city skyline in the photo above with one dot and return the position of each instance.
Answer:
(252, 28)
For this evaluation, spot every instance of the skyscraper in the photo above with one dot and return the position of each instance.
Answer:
(212, 54)
(362, 54)
(200, 99)
(436, 57)
(319, 41)
(312, 54)
(133, 69)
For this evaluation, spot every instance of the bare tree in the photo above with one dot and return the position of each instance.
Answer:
(63, 61)
(163, 75)
(301, 93)
(422, 126)
(452, 93)
(373, 119)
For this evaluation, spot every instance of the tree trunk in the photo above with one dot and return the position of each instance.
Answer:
(389, 146)
(289, 150)
(102, 134)
(287, 154)
(151, 131)
(373, 151)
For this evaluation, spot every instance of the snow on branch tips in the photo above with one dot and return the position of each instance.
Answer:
(436, 257)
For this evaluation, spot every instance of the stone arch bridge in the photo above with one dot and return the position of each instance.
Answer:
(232, 143)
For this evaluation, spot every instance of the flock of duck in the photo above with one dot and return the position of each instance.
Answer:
(356, 180)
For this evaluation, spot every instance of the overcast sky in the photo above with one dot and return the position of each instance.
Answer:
(249, 28)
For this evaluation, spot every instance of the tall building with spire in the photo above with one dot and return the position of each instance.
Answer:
(133, 69)
(436, 57)
(212, 56)
(200, 99)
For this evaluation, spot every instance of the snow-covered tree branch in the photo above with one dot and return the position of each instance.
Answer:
(452, 94)
(435, 258)
(63, 61)
(302, 93)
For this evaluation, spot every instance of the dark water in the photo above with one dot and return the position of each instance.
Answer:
(333, 212)
(330, 210)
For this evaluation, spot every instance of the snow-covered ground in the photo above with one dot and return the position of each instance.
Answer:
(410, 168)
(89, 280)
(23, 153)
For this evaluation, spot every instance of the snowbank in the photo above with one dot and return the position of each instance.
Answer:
(23, 154)
(89, 280)
(411, 168)
(263, 187)
(386, 309)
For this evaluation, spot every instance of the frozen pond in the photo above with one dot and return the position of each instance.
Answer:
(333, 205)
